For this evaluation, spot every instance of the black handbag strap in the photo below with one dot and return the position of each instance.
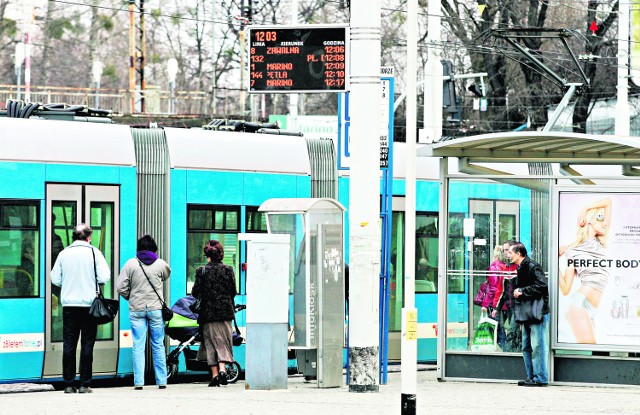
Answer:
(152, 287)
(236, 325)
(95, 271)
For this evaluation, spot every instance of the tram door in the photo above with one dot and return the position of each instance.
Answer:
(495, 222)
(67, 206)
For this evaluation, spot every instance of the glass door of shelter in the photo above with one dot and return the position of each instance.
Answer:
(495, 222)
(67, 206)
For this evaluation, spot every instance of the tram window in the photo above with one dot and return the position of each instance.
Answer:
(256, 221)
(426, 253)
(19, 248)
(206, 222)
(455, 248)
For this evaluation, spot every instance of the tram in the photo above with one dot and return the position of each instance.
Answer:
(183, 186)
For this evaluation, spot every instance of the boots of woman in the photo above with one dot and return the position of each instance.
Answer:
(223, 378)
(214, 382)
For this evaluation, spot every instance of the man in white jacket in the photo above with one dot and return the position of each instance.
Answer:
(75, 271)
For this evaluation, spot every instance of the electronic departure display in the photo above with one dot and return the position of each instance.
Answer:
(285, 59)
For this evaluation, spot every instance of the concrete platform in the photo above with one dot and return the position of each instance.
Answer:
(302, 397)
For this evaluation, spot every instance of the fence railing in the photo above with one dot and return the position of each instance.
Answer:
(156, 101)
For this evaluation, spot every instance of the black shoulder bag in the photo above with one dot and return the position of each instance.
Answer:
(102, 310)
(196, 306)
(167, 313)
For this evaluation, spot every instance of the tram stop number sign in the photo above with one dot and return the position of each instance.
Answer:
(285, 59)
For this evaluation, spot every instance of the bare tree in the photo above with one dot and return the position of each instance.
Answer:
(8, 31)
(596, 44)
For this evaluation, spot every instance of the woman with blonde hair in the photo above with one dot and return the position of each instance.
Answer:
(594, 221)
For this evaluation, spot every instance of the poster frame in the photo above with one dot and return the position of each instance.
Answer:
(554, 242)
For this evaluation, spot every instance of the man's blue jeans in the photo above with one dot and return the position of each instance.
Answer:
(535, 350)
(141, 321)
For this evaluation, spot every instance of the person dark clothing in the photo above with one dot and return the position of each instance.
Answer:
(75, 322)
(77, 270)
(215, 286)
(532, 282)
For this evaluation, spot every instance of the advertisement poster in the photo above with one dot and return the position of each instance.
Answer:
(599, 269)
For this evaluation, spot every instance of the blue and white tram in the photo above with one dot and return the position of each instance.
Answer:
(55, 174)
(184, 187)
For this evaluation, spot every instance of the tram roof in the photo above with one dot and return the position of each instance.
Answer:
(537, 146)
(66, 142)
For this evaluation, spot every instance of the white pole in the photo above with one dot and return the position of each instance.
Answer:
(622, 103)
(433, 74)
(18, 59)
(364, 193)
(294, 99)
(214, 103)
(409, 348)
(27, 67)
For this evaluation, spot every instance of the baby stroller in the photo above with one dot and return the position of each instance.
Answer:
(183, 327)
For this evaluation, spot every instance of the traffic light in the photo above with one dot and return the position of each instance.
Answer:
(476, 90)
(450, 103)
(247, 11)
(448, 87)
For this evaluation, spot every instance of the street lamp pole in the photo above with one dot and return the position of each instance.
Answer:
(172, 71)
(96, 72)
(18, 58)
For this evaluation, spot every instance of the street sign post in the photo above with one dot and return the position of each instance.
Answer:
(385, 116)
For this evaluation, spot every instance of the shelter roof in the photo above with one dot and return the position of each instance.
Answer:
(538, 146)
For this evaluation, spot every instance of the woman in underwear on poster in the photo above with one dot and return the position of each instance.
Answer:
(590, 244)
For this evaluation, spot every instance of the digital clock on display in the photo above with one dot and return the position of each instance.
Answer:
(298, 59)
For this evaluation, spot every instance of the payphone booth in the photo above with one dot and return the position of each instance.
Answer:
(316, 281)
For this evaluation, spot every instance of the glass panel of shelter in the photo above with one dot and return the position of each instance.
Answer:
(496, 220)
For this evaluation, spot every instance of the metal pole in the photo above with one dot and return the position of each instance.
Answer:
(364, 187)
(242, 51)
(27, 65)
(132, 57)
(172, 86)
(97, 98)
(143, 57)
(213, 57)
(19, 76)
(409, 340)
(622, 104)
(294, 99)
(433, 74)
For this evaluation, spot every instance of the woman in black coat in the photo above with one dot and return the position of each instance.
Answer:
(215, 286)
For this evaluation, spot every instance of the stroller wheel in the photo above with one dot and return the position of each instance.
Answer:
(233, 372)
(172, 371)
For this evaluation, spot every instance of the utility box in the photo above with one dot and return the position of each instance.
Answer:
(315, 230)
(267, 315)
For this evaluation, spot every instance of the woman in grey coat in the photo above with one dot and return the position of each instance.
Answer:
(145, 308)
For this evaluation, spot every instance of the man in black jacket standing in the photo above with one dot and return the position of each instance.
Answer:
(532, 284)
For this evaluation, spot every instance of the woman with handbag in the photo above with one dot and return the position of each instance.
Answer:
(215, 287)
(140, 282)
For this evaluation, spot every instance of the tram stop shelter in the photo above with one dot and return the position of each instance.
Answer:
(315, 228)
(534, 187)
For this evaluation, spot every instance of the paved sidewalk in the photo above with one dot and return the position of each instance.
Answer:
(304, 398)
